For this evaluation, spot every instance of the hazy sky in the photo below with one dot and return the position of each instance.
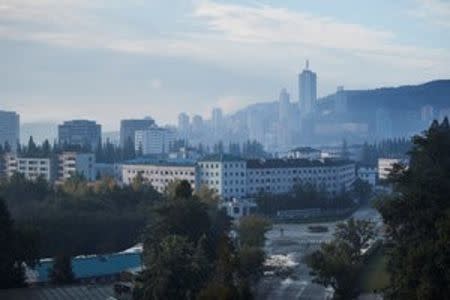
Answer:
(111, 59)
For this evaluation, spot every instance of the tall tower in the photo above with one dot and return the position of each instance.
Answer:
(307, 90)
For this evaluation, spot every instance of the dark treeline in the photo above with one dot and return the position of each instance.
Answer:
(302, 197)
(78, 217)
(389, 148)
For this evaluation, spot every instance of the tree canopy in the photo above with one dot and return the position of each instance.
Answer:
(417, 219)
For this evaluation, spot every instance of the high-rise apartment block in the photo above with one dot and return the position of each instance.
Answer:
(129, 127)
(307, 86)
(9, 129)
(155, 140)
(82, 133)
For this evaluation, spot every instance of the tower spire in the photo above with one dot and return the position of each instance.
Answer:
(307, 64)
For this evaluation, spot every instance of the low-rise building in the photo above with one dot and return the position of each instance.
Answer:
(31, 167)
(70, 163)
(368, 174)
(238, 208)
(159, 173)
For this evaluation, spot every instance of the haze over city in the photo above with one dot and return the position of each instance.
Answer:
(224, 149)
(151, 58)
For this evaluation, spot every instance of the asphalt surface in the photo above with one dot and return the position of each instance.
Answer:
(286, 245)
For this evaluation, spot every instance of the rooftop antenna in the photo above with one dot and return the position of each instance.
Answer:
(307, 64)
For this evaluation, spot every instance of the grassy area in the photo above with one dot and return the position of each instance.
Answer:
(374, 275)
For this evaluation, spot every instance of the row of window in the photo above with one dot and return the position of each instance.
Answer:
(148, 172)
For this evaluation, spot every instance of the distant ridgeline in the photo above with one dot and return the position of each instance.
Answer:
(407, 107)
(361, 115)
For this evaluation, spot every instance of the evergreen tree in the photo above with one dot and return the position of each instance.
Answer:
(417, 217)
(61, 272)
(16, 247)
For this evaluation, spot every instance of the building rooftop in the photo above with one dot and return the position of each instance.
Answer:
(305, 150)
(293, 163)
(73, 292)
(159, 162)
(221, 158)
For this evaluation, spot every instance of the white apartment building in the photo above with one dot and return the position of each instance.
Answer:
(368, 174)
(385, 166)
(31, 168)
(233, 177)
(155, 140)
(70, 163)
(278, 176)
(225, 174)
(159, 174)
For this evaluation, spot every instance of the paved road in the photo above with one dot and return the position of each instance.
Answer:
(287, 247)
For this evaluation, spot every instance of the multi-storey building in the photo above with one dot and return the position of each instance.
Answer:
(9, 129)
(307, 85)
(128, 129)
(31, 167)
(386, 165)
(159, 174)
(70, 163)
(279, 176)
(155, 140)
(368, 174)
(223, 173)
(81, 133)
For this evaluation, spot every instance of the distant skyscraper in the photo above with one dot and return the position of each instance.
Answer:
(284, 121)
(128, 128)
(9, 128)
(217, 122)
(183, 126)
(307, 88)
(284, 106)
(197, 124)
(80, 132)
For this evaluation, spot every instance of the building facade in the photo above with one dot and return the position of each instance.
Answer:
(82, 133)
(278, 176)
(129, 127)
(385, 166)
(32, 168)
(9, 129)
(235, 178)
(159, 174)
(155, 140)
(368, 174)
(71, 163)
(225, 174)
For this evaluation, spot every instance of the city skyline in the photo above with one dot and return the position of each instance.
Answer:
(210, 53)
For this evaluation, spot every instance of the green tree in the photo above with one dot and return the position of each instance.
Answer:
(16, 247)
(61, 272)
(333, 266)
(252, 230)
(338, 264)
(417, 219)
